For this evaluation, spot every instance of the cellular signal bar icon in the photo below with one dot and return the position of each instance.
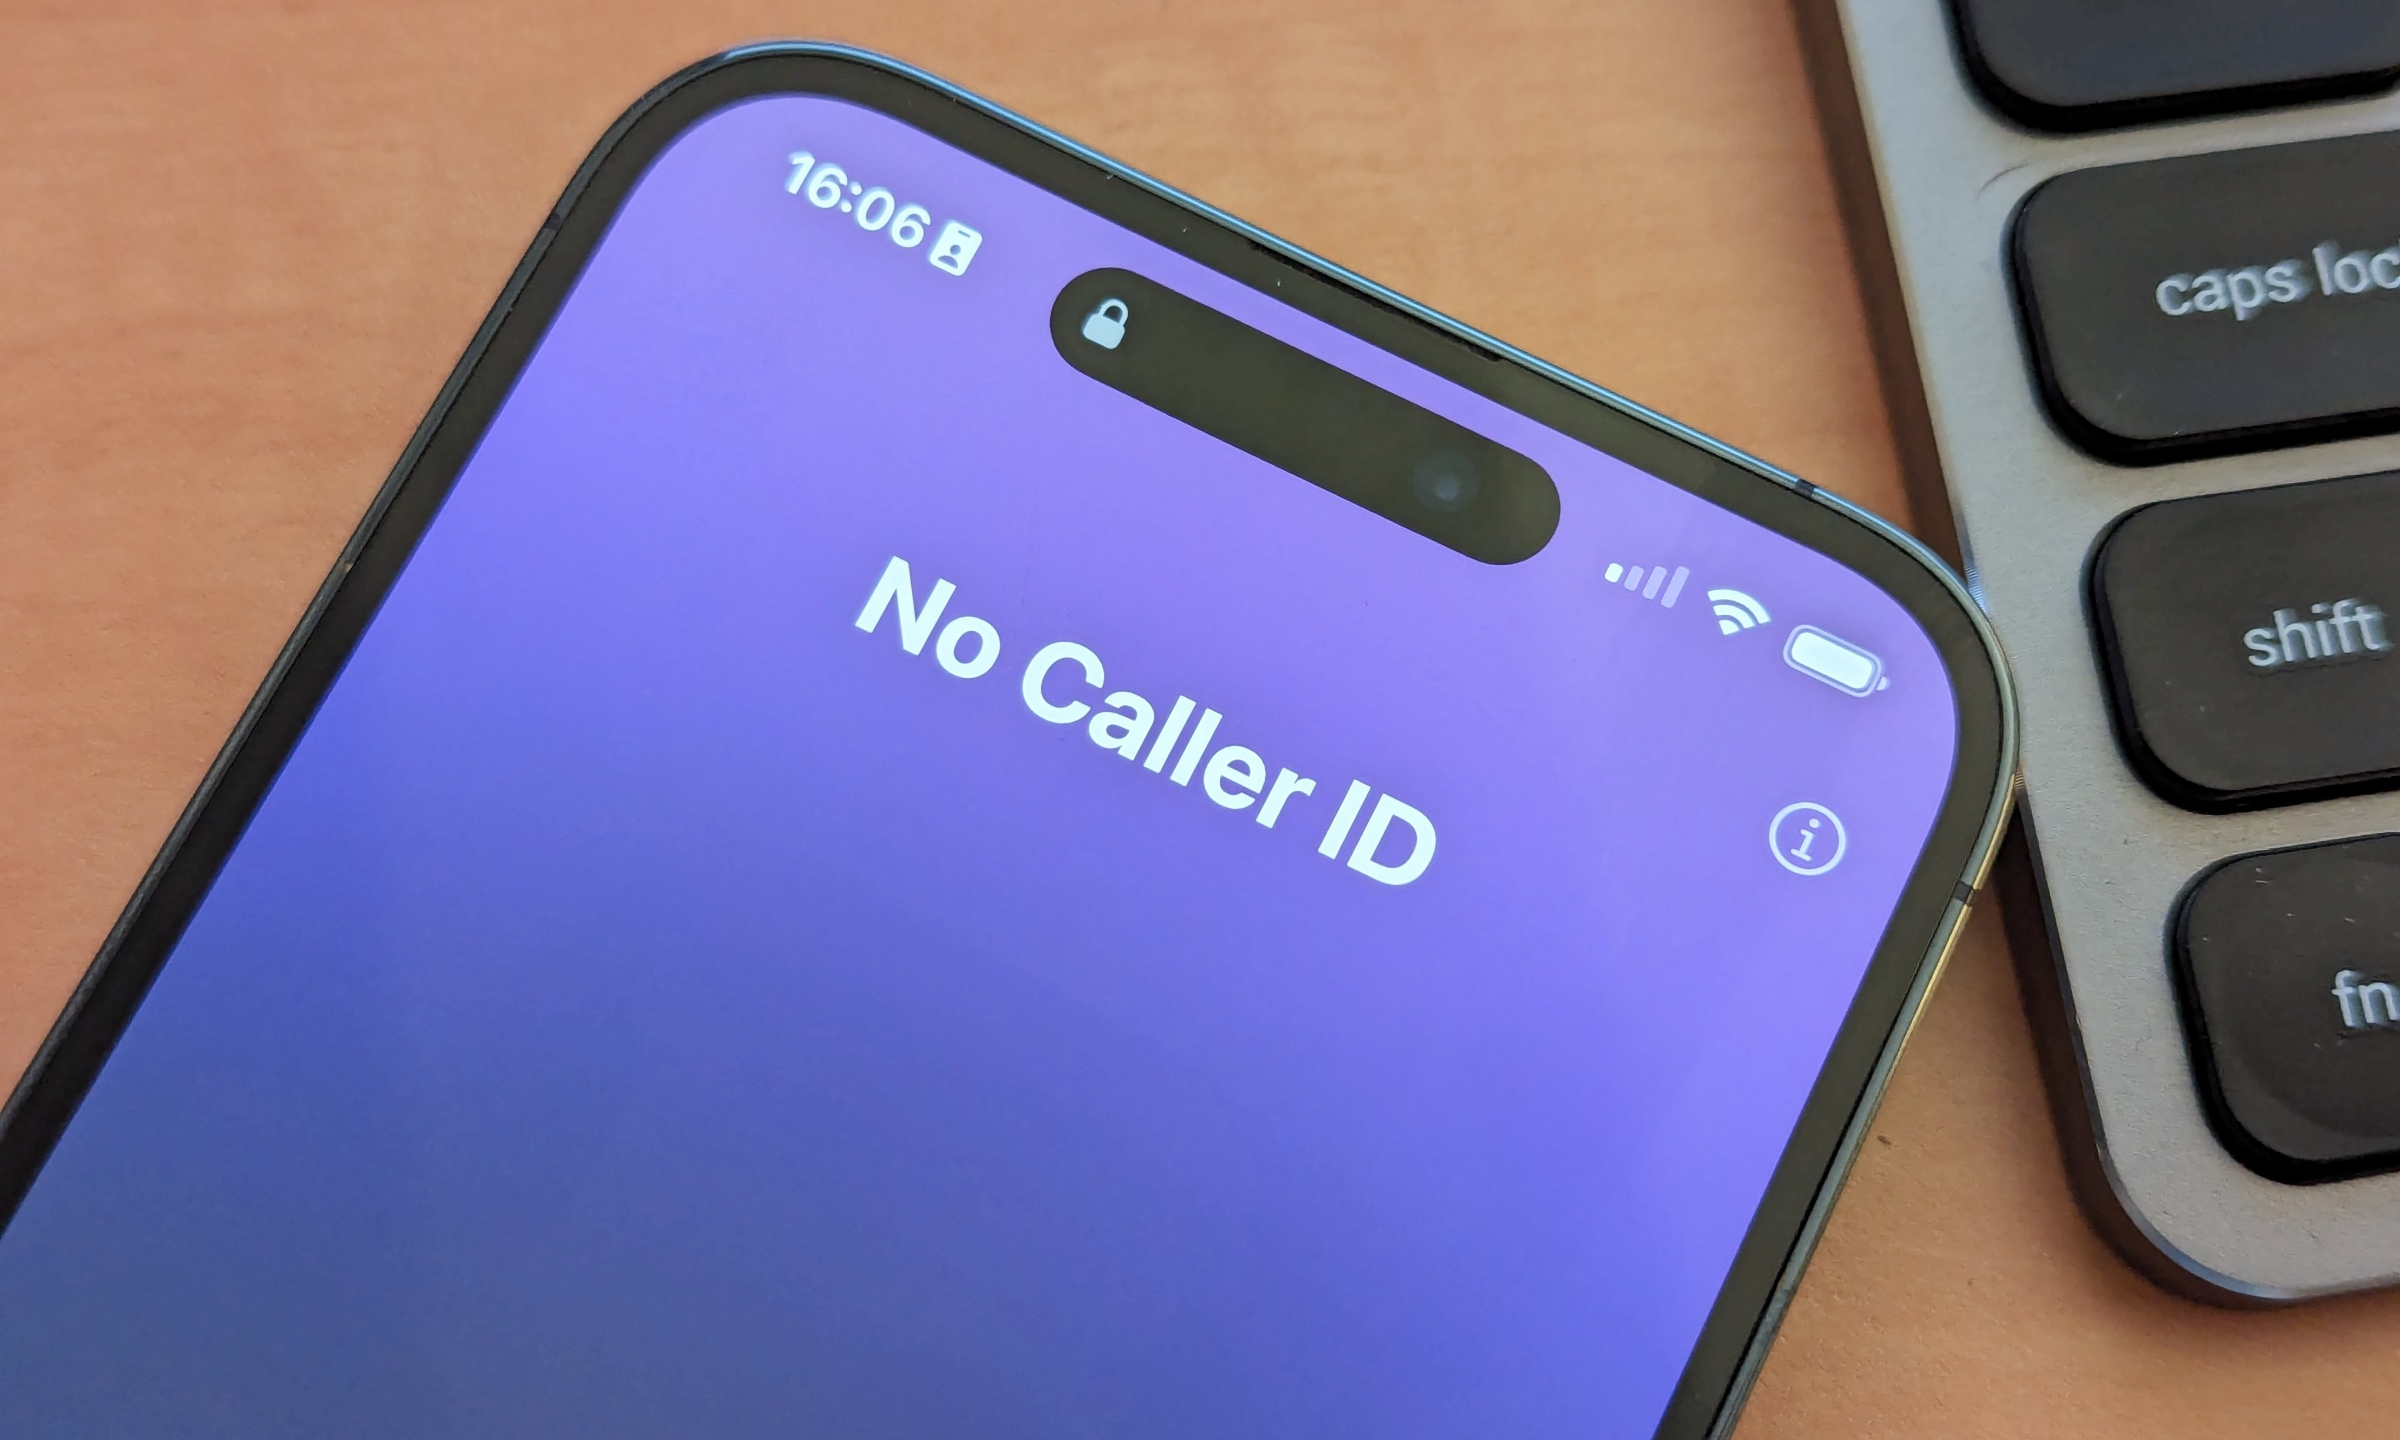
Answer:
(1736, 611)
(1634, 577)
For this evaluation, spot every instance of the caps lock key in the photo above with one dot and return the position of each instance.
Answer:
(2210, 303)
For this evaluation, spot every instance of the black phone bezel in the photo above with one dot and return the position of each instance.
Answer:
(1957, 853)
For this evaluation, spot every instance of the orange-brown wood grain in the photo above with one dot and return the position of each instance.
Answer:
(241, 244)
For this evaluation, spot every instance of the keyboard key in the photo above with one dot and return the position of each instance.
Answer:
(2080, 65)
(2252, 641)
(2207, 303)
(2287, 965)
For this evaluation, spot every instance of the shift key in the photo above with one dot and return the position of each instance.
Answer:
(2252, 641)
(2210, 303)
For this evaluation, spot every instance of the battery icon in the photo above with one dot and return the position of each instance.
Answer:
(1836, 661)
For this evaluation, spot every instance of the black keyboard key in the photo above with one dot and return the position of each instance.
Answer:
(2252, 641)
(2288, 968)
(2083, 64)
(2220, 302)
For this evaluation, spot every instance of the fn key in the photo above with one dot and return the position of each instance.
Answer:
(2209, 303)
(2285, 964)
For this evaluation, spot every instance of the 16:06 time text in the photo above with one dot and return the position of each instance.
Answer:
(829, 187)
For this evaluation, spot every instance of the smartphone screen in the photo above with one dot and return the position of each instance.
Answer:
(864, 881)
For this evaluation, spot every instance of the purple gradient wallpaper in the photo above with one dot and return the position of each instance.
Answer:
(683, 985)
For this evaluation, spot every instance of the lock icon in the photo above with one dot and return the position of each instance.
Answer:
(1105, 327)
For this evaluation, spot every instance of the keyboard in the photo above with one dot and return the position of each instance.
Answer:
(2133, 271)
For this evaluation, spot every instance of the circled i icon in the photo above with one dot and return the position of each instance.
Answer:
(1807, 838)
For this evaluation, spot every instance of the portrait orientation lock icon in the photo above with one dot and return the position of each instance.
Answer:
(1105, 327)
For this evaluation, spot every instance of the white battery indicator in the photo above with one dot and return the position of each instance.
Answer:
(1835, 661)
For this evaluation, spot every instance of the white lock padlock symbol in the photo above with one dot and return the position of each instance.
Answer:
(1105, 327)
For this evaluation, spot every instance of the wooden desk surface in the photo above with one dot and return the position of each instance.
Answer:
(241, 244)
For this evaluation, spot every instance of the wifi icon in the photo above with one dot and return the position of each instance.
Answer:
(1736, 611)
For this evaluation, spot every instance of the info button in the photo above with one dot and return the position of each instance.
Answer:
(2252, 641)
(2289, 967)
